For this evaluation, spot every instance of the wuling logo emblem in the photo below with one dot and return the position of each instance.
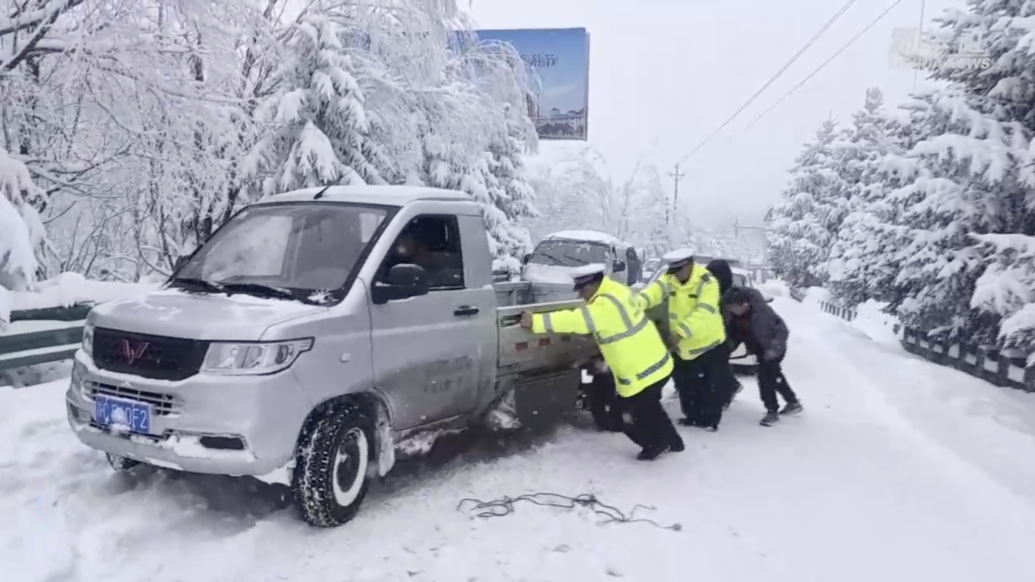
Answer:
(131, 353)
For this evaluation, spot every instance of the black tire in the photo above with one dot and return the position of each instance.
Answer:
(121, 464)
(332, 465)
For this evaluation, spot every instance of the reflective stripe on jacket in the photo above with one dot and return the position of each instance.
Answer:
(628, 341)
(693, 310)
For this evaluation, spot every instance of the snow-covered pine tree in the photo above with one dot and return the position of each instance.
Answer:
(513, 194)
(857, 266)
(319, 114)
(969, 169)
(799, 237)
(997, 79)
(474, 136)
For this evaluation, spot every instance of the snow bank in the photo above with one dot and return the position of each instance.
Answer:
(774, 288)
(547, 274)
(876, 324)
(816, 295)
(70, 289)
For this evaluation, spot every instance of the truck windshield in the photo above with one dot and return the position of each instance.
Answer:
(569, 253)
(275, 249)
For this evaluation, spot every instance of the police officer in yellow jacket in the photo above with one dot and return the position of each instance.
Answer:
(696, 328)
(631, 347)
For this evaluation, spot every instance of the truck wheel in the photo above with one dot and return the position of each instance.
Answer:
(121, 464)
(330, 479)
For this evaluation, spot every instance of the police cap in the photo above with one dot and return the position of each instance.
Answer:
(587, 274)
(678, 259)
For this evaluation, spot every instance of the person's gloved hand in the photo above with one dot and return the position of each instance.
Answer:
(673, 342)
(526, 320)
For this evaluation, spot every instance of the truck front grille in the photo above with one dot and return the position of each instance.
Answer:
(147, 356)
(161, 404)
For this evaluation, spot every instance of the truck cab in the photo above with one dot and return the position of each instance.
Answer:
(310, 333)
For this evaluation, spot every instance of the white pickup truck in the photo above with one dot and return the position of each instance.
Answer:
(312, 332)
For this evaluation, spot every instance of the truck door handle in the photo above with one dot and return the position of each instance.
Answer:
(465, 310)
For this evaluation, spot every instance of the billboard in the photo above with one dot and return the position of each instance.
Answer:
(559, 59)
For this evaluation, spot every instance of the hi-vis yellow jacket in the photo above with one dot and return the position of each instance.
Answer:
(694, 314)
(629, 342)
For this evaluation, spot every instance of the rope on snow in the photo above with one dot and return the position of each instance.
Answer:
(609, 514)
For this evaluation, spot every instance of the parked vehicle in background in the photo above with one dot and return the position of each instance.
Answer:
(309, 334)
(557, 254)
(650, 266)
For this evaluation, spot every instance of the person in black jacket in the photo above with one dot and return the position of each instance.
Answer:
(765, 334)
(728, 382)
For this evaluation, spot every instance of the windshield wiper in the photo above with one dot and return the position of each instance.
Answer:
(201, 283)
(556, 262)
(260, 290)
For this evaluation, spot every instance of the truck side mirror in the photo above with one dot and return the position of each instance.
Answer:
(402, 282)
(526, 258)
(618, 265)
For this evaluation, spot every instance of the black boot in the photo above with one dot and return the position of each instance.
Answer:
(651, 453)
(772, 417)
(792, 408)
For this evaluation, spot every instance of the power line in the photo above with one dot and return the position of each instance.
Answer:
(772, 79)
(822, 66)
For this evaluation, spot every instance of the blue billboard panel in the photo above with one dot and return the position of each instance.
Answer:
(558, 58)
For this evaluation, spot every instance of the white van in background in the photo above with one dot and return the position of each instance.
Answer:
(558, 253)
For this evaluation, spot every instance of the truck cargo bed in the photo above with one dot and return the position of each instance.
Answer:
(522, 352)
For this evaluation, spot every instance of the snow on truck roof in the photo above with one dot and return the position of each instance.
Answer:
(585, 235)
(384, 195)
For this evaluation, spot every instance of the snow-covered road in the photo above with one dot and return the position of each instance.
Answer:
(899, 470)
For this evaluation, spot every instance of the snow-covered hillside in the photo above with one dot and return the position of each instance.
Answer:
(898, 470)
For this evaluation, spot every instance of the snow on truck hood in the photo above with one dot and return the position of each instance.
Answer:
(536, 273)
(176, 313)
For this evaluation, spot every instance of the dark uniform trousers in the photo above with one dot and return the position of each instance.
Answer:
(771, 382)
(703, 385)
(726, 382)
(651, 427)
(604, 403)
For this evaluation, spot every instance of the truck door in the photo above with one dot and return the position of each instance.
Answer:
(426, 349)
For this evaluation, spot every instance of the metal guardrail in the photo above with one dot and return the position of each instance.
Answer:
(845, 313)
(987, 364)
(41, 336)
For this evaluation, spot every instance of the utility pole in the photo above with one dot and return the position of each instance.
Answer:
(676, 177)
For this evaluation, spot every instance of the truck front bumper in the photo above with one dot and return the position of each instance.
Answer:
(226, 425)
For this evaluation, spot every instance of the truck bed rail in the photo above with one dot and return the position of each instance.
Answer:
(522, 351)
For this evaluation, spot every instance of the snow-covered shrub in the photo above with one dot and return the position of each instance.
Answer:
(20, 227)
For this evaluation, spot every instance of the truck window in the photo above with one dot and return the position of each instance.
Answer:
(309, 246)
(431, 242)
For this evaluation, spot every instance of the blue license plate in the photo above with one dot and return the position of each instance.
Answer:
(122, 415)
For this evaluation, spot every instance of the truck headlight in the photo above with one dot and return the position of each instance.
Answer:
(254, 358)
(88, 339)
